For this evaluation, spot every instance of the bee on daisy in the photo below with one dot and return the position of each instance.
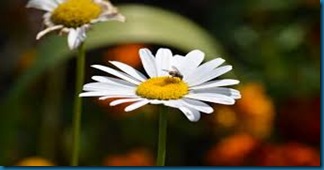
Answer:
(181, 82)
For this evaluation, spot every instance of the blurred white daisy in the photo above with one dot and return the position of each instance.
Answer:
(74, 17)
(175, 81)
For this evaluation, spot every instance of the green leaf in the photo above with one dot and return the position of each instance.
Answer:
(144, 24)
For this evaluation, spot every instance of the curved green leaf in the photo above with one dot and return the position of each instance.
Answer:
(144, 24)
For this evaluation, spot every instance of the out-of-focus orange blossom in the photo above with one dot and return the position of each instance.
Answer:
(136, 157)
(225, 116)
(254, 100)
(125, 53)
(34, 161)
(289, 154)
(231, 150)
(253, 113)
(256, 110)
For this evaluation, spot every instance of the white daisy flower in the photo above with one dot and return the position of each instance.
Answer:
(74, 17)
(175, 81)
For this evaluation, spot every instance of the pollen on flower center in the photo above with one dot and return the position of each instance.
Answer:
(163, 88)
(75, 13)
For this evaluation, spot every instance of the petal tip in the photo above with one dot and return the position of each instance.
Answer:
(143, 50)
(211, 110)
(197, 52)
(127, 109)
(193, 120)
(221, 59)
(95, 66)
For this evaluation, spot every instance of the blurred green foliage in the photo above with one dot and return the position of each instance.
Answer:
(274, 42)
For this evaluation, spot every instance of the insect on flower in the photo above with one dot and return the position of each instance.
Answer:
(186, 84)
(174, 72)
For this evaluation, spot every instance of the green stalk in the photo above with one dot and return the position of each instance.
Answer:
(78, 105)
(160, 161)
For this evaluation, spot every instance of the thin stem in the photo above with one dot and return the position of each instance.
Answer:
(160, 161)
(78, 105)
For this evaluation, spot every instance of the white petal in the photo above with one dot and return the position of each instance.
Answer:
(192, 114)
(47, 30)
(215, 73)
(129, 70)
(76, 37)
(194, 58)
(60, 1)
(105, 86)
(202, 70)
(136, 105)
(186, 65)
(117, 96)
(47, 19)
(116, 73)
(163, 61)
(148, 62)
(72, 39)
(212, 97)
(114, 92)
(109, 12)
(173, 103)
(179, 62)
(233, 93)
(113, 81)
(120, 101)
(109, 17)
(46, 5)
(198, 105)
(216, 83)
(98, 1)
(155, 101)
(106, 93)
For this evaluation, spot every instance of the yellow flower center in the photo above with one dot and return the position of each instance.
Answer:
(163, 88)
(75, 13)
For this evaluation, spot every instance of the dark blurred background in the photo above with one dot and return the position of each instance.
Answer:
(274, 47)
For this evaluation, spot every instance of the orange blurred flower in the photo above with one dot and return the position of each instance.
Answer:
(257, 110)
(126, 53)
(136, 157)
(232, 150)
(290, 154)
(224, 118)
(34, 161)
(254, 100)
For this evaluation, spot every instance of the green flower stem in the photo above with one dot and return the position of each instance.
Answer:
(78, 105)
(160, 161)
